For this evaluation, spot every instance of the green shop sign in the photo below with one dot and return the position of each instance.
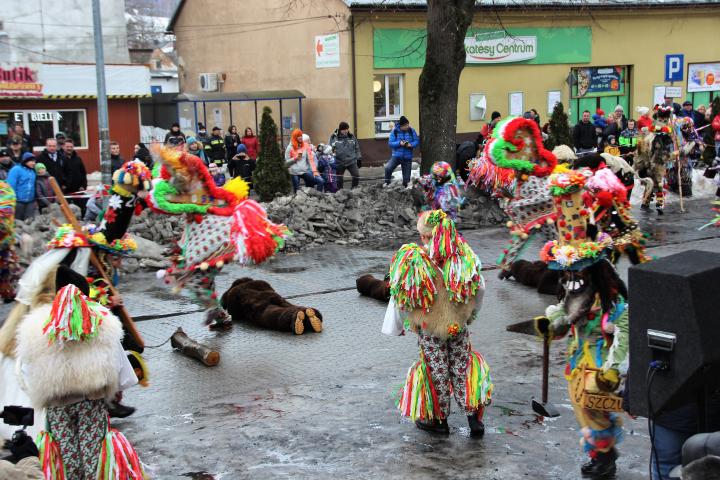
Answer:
(405, 48)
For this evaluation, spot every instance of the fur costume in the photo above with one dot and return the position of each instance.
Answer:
(72, 361)
(514, 166)
(369, 286)
(593, 314)
(535, 274)
(654, 154)
(81, 368)
(256, 302)
(222, 226)
(437, 290)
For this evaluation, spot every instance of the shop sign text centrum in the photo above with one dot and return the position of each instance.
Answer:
(500, 50)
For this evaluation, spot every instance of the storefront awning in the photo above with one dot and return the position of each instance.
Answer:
(240, 96)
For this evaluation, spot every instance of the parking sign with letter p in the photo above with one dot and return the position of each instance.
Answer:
(674, 67)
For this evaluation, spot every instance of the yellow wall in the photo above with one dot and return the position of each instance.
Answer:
(639, 38)
(267, 45)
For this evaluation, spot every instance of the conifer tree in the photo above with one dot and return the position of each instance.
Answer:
(271, 177)
(559, 128)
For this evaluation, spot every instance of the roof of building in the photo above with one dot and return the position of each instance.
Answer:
(176, 14)
(520, 4)
(239, 96)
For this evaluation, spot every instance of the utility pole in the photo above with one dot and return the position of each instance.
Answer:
(102, 106)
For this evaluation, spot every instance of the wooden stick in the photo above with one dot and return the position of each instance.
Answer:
(122, 312)
(190, 348)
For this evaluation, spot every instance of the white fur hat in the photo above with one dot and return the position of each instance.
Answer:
(619, 107)
(642, 110)
(306, 138)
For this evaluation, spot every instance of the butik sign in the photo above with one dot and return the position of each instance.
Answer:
(19, 81)
(500, 50)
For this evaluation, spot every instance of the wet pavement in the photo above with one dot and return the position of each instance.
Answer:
(322, 405)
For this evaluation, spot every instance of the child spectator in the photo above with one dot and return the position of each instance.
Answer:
(612, 146)
(327, 167)
(22, 180)
(43, 191)
(217, 174)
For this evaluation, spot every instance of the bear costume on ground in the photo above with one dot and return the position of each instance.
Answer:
(256, 302)
(369, 286)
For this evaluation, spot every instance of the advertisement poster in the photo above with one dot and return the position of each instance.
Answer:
(327, 51)
(554, 97)
(598, 81)
(500, 50)
(20, 80)
(516, 103)
(703, 77)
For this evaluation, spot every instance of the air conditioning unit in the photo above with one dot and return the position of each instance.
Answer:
(209, 82)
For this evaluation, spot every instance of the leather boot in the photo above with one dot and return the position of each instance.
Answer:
(118, 410)
(477, 427)
(433, 426)
(600, 467)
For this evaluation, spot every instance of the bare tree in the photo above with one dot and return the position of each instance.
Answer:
(447, 24)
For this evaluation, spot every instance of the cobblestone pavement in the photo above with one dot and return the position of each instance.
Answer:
(321, 405)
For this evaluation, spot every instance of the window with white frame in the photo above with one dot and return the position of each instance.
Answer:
(44, 124)
(388, 105)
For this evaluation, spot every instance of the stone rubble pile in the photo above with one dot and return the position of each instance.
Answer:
(371, 215)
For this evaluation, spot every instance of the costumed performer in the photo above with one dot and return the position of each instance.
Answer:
(436, 291)
(654, 154)
(514, 166)
(442, 190)
(9, 267)
(221, 225)
(36, 287)
(71, 361)
(256, 302)
(593, 313)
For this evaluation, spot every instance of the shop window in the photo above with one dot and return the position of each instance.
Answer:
(44, 124)
(388, 104)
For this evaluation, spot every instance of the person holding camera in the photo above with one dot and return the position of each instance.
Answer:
(174, 138)
(403, 139)
(24, 463)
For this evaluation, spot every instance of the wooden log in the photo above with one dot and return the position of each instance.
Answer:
(190, 348)
(123, 314)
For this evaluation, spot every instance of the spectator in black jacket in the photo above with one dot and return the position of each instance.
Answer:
(116, 161)
(584, 135)
(175, 137)
(143, 154)
(52, 158)
(6, 163)
(465, 152)
(232, 140)
(16, 149)
(25, 141)
(74, 175)
(215, 147)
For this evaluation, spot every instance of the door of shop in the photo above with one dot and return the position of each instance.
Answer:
(605, 102)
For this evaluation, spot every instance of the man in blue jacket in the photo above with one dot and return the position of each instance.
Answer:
(22, 180)
(403, 139)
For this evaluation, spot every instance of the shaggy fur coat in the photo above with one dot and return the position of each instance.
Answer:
(443, 313)
(53, 373)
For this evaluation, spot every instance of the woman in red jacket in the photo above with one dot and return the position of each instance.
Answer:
(716, 126)
(251, 143)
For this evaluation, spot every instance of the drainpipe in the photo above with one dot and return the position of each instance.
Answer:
(354, 78)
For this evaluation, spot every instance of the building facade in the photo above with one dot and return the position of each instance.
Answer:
(47, 99)
(520, 55)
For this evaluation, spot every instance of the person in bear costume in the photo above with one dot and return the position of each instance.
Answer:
(369, 286)
(256, 302)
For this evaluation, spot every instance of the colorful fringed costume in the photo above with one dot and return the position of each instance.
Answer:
(655, 154)
(514, 166)
(9, 267)
(84, 338)
(437, 290)
(594, 314)
(222, 226)
(442, 190)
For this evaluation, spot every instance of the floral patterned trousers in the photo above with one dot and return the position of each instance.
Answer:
(447, 361)
(79, 429)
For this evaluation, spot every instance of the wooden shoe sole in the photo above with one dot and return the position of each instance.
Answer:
(315, 322)
(299, 324)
